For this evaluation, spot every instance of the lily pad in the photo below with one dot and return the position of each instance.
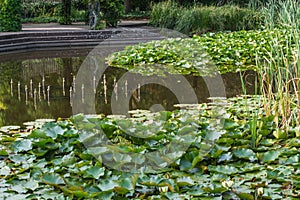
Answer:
(52, 179)
(7, 129)
(270, 156)
(96, 172)
(247, 154)
(22, 145)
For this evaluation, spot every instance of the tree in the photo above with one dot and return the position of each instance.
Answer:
(65, 16)
(109, 11)
(127, 6)
(10, 15)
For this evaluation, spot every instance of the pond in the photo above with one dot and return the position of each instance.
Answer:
(39, 85)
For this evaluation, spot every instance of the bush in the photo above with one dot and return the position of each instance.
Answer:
(40, 20)
(200, 19)
(39, 9)
(65, 12)
(46, 11)
(10, 15)
(112, 11)
(136, 15)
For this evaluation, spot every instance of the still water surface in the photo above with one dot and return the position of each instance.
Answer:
(35, 86)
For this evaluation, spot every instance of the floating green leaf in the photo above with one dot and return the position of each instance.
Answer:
(245, 154)
(270, 156)
(22, 145)
(96, 172)
(52, 179)
(223, 169)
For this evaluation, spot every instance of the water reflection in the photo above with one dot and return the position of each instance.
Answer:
(44, 88)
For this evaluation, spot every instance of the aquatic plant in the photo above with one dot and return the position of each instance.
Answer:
(205, 54)
(52, 162)
(280, 68)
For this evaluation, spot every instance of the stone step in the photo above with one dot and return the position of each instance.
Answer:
(66, 39)
(57, 44)
(55, 33)
(52, 38)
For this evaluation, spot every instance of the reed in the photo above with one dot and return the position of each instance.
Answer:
(279, 71)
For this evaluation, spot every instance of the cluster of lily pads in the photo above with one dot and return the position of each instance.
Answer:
(224, 160)
(172, 56)
(202, 55)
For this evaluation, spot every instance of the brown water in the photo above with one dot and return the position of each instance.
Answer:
(37, 85)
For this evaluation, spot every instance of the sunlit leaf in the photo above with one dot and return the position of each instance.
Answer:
(245, 153)
(52, 179)
(22, 145)
(96, 172)
(270, 156)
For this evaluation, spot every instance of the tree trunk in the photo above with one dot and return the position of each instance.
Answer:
(66, 12)
(127, 6)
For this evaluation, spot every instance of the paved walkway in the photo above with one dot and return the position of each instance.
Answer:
(76, 26)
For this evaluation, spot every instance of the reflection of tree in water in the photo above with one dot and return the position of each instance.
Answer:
(14, 111)
(9, 108)
(153, 94)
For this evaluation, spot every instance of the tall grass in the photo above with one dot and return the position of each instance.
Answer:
(165, 14)
(201, 19)
(280, 69)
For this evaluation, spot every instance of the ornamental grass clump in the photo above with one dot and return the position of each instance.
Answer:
(200, 19)
(280, 69)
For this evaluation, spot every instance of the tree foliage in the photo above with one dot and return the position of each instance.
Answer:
(109, 11)
(65, 12)
(10, 15)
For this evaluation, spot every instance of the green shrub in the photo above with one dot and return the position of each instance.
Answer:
(46, 11)
(40, 20)
(39, 9)
(112, 11)
(200, 19)
(136, 15)
(10, 16)
(65, 12)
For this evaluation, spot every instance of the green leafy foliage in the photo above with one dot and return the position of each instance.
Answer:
(112, 11)
(65, 12)
(203, 55)
(52, 162)
(174, 56)
(10, 15)
(32, 9)
(201, 19)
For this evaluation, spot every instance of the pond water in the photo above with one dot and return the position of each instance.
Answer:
(41, 85)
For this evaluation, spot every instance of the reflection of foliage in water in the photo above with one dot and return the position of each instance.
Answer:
(17, 111)
(54, 69)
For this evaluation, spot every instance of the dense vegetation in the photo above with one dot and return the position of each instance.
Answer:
(228, 159)
(80, 11)
(246, 147)
(10, 15)
(228, 51)
(201, 19)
